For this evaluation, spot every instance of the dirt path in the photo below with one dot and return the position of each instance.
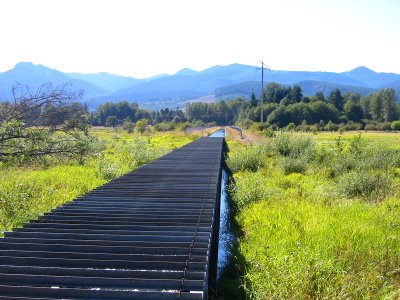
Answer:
(247, 138)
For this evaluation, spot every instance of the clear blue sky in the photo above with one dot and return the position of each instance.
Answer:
(141, 38)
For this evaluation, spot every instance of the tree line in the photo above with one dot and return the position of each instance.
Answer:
(116, 113)
(282, 106)
(287, 106)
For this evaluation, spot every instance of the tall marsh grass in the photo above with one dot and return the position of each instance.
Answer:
(302, 250)
(27, 191)
(318, 221)
(25, 194)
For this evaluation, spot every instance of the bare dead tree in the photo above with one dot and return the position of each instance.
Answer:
(48, 121)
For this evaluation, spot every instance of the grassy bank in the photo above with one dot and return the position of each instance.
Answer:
(318, 217)
(27, 191)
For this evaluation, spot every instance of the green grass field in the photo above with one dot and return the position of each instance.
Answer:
(317, 219)
(386, 138)
(28, 191)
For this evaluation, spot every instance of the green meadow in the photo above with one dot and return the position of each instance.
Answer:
(388, 139)
(316, 217)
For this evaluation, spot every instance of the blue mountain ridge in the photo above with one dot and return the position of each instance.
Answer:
(170, 90)
(33, 76)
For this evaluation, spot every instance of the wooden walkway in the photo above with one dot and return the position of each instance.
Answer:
(150, 234)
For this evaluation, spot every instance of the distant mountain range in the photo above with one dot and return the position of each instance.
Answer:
(187, 85)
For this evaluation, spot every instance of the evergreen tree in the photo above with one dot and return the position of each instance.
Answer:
(320, 96)
(253, 100)
(336, 99)
(353, 110)
(389, 112)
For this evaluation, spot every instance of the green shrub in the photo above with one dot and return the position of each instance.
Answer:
(294, 152)
(254, 127)
(323, 156)
(183, 126)
(314, 129)
(353, 126)
(128, 125)
(377, 158)
(247, 124)
(15, 200)
(395, 125)
(165, 126)
(342, 164)
(274, 127)
(290, 126)
(331, 126)
(357, 145)
(293, 165)
(248, 188)
(263, 126)
(384, 126)
(248, 158)
(370, 127)
(268, 132)
(141, 152)
(373, 186)
(107, 169)
(287, 144)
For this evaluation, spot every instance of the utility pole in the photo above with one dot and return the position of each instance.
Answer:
(261, 95)
(262, 90)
